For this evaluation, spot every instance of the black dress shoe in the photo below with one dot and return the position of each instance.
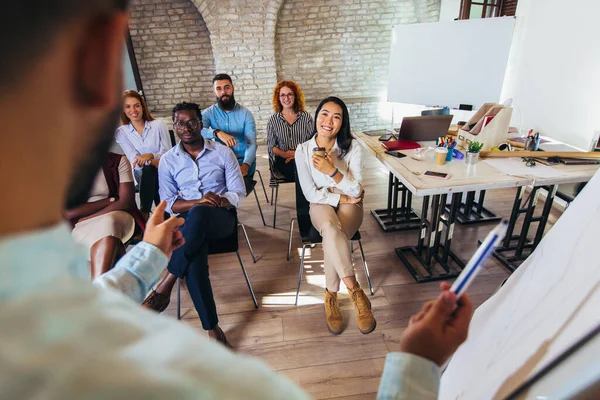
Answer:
(157, 301)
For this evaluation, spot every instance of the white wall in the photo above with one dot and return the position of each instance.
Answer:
(553, 71)
(449, 10)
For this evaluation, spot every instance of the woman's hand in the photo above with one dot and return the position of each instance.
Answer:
(141, 159)
(323, 164)
(289, 156)
(345, 199)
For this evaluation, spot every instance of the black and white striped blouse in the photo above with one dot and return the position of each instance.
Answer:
(286, 137)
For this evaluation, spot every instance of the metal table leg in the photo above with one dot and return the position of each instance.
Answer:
(516, 248)
(473, 212)
(435, 259)
(394, 218)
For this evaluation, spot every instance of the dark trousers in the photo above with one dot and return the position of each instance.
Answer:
(148, 181)
(288, 170)
(203, 224)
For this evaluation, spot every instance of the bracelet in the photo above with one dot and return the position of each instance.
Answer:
(334, 172)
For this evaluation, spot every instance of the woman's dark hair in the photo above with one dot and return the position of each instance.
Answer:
(344, 137)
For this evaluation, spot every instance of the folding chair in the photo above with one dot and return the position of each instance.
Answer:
(227, 245)
(310, 236)
(274, 183)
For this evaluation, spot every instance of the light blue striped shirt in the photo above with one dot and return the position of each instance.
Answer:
(57, 330)
(154, 139)
(214, 170)
(63, 338)
(238, 123)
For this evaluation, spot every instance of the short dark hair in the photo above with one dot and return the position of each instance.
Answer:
(45, 19)
(187, 107)
(344, 136)
(222, 77)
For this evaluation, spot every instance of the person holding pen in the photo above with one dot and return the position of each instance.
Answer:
(93, 340)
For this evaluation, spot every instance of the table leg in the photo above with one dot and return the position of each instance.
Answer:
(512, 254)
(436, 259)
(394, 218)
(473, 212)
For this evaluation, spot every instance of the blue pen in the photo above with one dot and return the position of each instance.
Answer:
(537, 140)
(476, 262)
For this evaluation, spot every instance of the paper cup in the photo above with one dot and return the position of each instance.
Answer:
(440, 155)
(319, 151)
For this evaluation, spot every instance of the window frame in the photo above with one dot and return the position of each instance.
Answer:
(465, 8)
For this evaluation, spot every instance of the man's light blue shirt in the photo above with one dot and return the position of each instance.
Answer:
(238, 123)
(63, 338)
(214, 170)
(57, 330)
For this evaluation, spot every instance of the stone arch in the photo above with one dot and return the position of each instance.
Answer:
(243, 42)
(174, 52)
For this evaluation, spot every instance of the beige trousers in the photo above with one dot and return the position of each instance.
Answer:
(336, 225)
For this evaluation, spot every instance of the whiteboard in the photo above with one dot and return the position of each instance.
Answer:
(449, 63)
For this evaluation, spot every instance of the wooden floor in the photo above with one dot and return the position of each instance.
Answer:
(295, 340)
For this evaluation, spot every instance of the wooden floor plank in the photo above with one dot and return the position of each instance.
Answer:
(341, 380)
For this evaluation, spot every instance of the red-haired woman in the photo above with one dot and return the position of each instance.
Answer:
(287, 128)
(143, 140)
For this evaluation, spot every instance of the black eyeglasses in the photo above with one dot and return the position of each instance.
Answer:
(192, 124)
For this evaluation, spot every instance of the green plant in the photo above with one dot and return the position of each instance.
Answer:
(475, 147)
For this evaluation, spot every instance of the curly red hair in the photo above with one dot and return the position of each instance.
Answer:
(145, 112)
(298, 96)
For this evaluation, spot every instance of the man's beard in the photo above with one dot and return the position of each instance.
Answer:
(85, 173)
(226, 105)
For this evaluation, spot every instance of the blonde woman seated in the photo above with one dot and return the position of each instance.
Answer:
(333, 186)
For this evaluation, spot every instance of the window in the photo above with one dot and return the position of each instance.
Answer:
(471, 9)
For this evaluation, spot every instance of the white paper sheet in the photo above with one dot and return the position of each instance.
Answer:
(517, 167)
(548, 303)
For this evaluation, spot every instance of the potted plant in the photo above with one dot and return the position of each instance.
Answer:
(473, 152)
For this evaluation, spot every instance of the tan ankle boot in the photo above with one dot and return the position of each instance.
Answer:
(335, 321)
(364, 316)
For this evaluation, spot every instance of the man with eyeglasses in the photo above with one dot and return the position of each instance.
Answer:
(202, 182)
(232, 124)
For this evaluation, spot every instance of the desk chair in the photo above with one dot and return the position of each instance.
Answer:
(227, 245)
(310, 237)
(274, 183)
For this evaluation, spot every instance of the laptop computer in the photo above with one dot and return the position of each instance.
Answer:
(425, 128)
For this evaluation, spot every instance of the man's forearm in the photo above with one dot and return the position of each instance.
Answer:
(181, 205)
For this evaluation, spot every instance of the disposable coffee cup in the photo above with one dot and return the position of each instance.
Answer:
(320, 151)
(440, 155)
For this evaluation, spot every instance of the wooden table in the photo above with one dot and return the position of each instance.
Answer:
(431, 247)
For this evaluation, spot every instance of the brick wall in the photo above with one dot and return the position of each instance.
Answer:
(330, 47)
(174, 54)
(341, 47)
